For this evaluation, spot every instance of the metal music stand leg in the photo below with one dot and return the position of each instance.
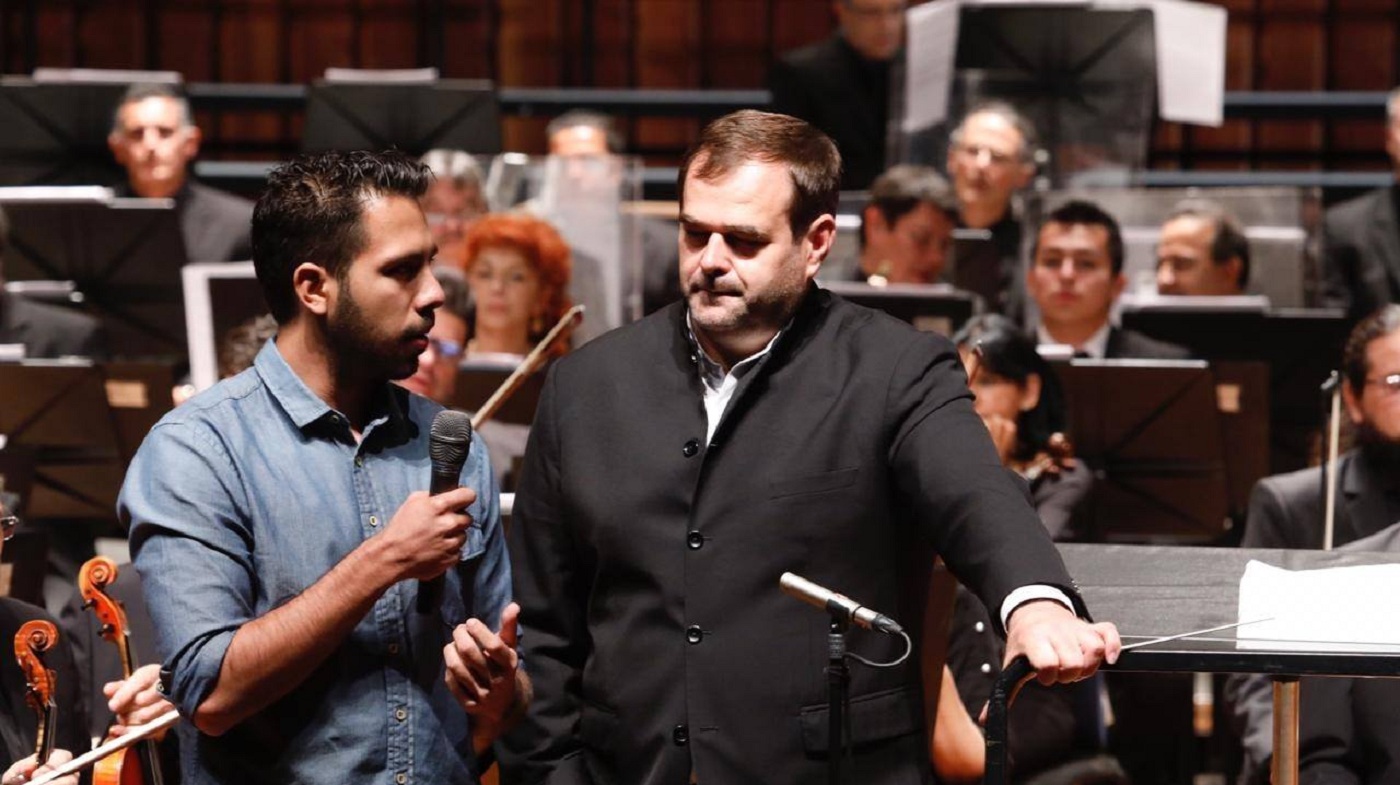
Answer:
(838, 681)
(1284, 768)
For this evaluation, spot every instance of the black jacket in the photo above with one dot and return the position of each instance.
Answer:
(647, 561)
(832, 87)
(1361, 254)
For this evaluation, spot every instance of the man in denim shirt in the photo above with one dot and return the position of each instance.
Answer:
(281, 528)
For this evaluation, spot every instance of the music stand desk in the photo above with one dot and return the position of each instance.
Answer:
(1162, 590)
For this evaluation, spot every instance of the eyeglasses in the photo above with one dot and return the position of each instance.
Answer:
(1389, 384)
(447, 350)
(8, 524)
(973, 152)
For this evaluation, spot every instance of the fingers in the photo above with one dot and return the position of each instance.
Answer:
(136, 692)
(510, 618)
(480, 662)
(455, 499)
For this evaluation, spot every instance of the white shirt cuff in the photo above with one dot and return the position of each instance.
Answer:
(1025, 594)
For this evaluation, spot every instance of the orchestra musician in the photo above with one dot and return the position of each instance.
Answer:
(279, 521)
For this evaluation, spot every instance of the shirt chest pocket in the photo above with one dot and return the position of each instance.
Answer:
(460, 582)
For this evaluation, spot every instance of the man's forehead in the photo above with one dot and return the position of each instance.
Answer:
(992, 127)
(152, 110)
(738, 187)
(1074, 235)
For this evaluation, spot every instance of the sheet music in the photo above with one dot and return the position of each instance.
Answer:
(1348, 609)
(931, 49)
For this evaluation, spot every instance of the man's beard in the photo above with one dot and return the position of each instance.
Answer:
(358, 352)
(1380, 451)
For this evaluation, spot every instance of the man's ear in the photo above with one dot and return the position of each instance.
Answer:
(821, 236)
(315, 288)
(193, 137)
(1352, 404)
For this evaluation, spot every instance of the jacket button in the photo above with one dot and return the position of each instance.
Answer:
(695, 540)
(694, 634)
(680, 735)
(691, 448)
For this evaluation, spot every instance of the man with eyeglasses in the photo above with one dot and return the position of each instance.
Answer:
(436, 377)
(990, 160)
(1351, 729)
(842, 85)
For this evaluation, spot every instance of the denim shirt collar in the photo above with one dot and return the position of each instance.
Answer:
(305, 408)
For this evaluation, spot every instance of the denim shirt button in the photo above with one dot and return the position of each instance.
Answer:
(400, 714)
(400, 778)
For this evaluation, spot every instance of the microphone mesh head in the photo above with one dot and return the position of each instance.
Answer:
(450, 439)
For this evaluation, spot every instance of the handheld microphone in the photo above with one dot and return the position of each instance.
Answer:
(449, 441)
(838, 605)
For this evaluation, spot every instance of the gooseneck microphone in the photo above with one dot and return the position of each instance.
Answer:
(838, 605)
(449, 442)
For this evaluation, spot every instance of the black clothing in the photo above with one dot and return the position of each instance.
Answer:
(1361, 253)
(833, 87)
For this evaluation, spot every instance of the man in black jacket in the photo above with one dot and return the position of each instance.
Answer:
(1348, 731)
(1361, 239)
(1075, 275)
(678, 466)
(155, 139)
(842, 84)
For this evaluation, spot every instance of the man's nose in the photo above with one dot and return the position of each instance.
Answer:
(714, 257)
(1165, 276)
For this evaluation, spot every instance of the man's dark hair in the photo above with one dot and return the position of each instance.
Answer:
(1378, 325)
(583, 117)
(140, 91)
(311, 210)
(750, 135)
(1229, 241)
(1008, 352)
(1080, 212)
(903, 187)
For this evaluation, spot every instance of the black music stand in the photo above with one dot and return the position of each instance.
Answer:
(976, 267)
(1301, 346)
(59, 410)
(123, 255)
(1149, 432)
(461, 114)
(1151, 591)
(478, 379)
(139, 394)
(935, 307)
(56, 132)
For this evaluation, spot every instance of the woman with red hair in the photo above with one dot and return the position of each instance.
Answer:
(518, 267)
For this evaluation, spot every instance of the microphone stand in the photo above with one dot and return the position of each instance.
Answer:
(838, 682)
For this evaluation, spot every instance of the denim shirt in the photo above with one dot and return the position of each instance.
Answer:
(243, 497)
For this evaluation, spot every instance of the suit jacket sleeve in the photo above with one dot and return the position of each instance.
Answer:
(1267, 522)
(544, 747)
(976, 512)
(1327, 750)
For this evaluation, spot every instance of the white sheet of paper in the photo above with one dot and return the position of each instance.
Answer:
(931, 48)
(1351, 609)
(1190, 61)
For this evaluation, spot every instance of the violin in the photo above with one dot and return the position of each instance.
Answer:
(31, 642)
(138, 764)
(1059, 454)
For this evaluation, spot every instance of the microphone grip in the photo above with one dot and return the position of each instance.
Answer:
(430, 591)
